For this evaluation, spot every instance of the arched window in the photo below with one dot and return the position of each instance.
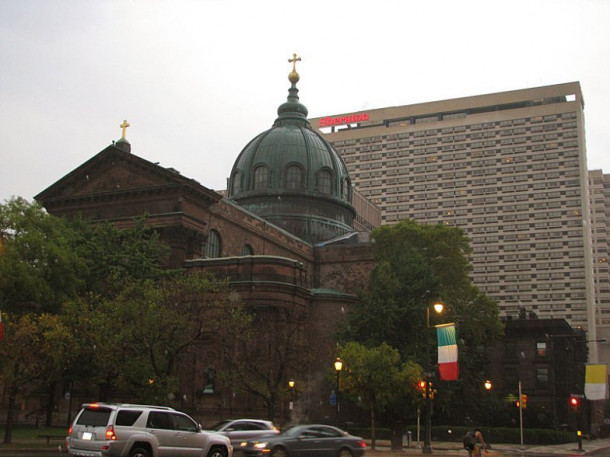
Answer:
(236, 183)
(324, 182)
(247, 250)
(346, 189)
(213, 246)
(261, 177)
(294, 177)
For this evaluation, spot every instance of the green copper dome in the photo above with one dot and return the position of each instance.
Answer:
(291, 176)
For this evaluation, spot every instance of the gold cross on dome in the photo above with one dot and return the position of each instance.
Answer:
(124, 126)
(294, 61)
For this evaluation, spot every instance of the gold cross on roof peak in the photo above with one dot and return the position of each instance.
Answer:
(124, 126)
(294, 61)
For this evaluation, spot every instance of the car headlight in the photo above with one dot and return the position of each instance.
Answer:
(261, 445)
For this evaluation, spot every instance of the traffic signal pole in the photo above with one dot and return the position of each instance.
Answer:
(521, 414)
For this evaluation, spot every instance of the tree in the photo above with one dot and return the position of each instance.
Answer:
(28, 354)
(263, 347)
(115, 256)
(375, 378)
(136, 339)
(39, 268)
(416, 264)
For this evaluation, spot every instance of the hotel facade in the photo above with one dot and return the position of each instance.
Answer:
(509, 168)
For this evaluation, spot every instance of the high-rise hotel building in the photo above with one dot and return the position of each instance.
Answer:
(509, 168)
(599, 191)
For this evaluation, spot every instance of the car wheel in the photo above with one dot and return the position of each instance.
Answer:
(345, 453)
(279, 452)
(217, 452)
(139, 452)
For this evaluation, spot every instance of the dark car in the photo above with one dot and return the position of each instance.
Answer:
(307, 441)
(242, 430)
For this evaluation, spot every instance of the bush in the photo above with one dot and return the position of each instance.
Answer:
(493, 435)
(504, 435)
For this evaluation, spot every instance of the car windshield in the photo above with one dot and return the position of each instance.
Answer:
(295, 430)
(219, 426)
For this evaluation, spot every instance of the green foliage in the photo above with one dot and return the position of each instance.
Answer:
(39, 269)
(375, 377)
(134, 340)
(415, 265)
(31, 346)
(30, 353)
(115, 256)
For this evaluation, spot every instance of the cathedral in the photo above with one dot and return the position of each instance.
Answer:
(284, 233)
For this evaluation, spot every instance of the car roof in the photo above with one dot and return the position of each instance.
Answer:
(94, 405)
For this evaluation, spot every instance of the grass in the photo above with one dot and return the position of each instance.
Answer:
(31, 437)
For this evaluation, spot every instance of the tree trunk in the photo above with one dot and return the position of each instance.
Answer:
(271, 408)
(50, 404)
(8, 431)
(373, 435)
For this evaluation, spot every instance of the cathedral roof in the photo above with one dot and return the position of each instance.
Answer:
(291, 173)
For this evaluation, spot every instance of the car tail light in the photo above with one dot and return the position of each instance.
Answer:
(70, 431)
(110, 433)
(362, 444)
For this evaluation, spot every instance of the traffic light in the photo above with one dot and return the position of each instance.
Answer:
(421, 387)
(523, 401)
(575, 402)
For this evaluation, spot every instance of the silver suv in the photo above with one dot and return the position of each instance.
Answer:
(123, 430)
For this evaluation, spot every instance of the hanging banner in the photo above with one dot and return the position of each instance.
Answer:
(448, 368)
(596, 381)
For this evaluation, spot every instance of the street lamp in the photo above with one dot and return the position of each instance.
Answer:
(338, 368)
(438, 306)
(291, 387)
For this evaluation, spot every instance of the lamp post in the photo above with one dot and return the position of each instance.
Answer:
(291, 388)
(488, 385)
(438, 307)
(338, 368)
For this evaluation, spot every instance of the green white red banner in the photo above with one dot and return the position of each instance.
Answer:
(448, 367)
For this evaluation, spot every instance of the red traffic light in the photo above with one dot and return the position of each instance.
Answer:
(574, 402)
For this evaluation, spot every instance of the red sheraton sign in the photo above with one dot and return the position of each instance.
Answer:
(349, 119)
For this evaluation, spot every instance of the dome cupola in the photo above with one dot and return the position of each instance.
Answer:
(292, 177)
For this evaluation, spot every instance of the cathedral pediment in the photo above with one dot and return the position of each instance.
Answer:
(113, 173)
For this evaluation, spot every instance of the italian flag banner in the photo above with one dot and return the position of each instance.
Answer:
(448, 368)
(596, 381)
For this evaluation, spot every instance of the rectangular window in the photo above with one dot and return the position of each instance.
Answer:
(542, 377)
(541, 348)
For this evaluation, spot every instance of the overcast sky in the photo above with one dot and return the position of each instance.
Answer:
(199, 79)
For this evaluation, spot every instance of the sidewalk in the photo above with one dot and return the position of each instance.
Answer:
(382, 449)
